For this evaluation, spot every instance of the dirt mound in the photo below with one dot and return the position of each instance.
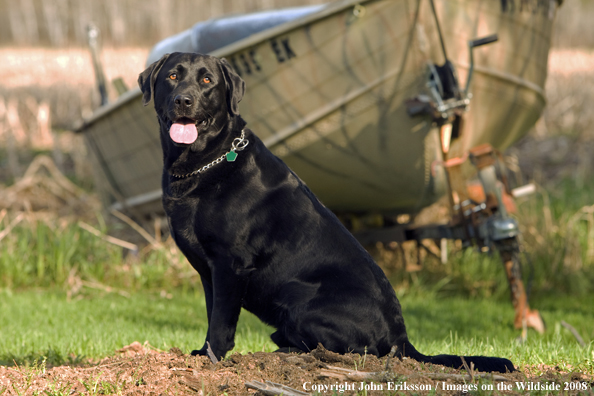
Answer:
(140, 369)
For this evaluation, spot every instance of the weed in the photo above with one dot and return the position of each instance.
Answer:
(47, 254)
(18, 390)
(108, 388)
(27, 374)
(57, 389)
(92, 385)
(136, 376)
(362, 359)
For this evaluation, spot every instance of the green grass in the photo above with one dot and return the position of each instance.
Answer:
(52, 254)
(481, 326)
(39, 325)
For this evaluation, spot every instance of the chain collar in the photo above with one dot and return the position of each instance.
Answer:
(238, 144)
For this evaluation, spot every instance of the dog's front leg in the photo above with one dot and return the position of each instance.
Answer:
(226, 296)
(207, 286)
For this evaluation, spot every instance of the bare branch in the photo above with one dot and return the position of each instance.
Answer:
(273, 389)
(575, 333)
(211, 354)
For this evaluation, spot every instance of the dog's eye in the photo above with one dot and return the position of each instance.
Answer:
(173, 76)
(206, 80)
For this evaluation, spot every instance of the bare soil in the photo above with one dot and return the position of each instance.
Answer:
(140, 370)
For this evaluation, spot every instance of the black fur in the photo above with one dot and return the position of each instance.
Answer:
(259, 237)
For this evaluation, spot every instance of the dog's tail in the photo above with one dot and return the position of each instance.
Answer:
(481, 363)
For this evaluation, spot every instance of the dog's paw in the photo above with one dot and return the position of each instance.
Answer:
(199, 352)
(207, 351)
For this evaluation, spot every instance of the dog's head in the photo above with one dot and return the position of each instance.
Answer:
(194, 94)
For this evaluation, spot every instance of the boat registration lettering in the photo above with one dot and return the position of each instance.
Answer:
(282, 49)
(533, 6)
(245, 63)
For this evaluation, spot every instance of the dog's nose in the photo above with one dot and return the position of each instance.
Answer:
(184, 100)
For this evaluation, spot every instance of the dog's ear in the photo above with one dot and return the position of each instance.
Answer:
(146, 79)
(235, 87)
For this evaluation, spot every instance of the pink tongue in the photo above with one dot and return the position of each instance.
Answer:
(181, 133)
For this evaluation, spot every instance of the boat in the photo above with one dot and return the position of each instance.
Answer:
(382, 107)
(327, 92)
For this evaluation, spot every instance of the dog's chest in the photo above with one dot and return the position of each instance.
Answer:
(200, 226)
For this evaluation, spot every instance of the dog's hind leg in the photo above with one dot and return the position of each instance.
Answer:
(280, 340)
(284, 345)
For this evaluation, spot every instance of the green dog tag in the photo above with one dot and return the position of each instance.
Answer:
(231, 155)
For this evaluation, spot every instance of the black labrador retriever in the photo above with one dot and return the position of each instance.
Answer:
(257, 235)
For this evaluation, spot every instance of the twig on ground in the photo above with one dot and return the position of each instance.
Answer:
(99, 286)
(575, 333)
(107, 238)
(273, 389)
(347, 374)
(470, 369)
(119, 363)
(12, 224)
(211, 354)
(390, 355)
(157, 225)
(136, 227)
(192, 384)
(148, 346)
